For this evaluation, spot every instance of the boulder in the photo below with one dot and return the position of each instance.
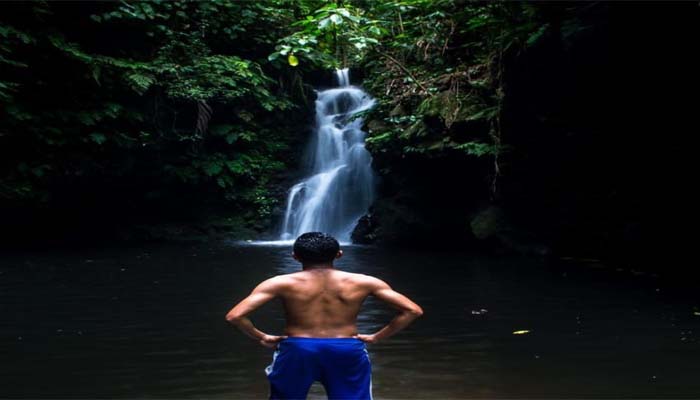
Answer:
(491, 224)
(365, 231)
(488, 223)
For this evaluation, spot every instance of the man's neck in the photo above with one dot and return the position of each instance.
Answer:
(309, 267)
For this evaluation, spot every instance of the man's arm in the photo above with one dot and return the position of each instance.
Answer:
(264, 292)
(408, 310)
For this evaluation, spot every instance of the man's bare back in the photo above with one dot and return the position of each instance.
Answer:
(323, 302)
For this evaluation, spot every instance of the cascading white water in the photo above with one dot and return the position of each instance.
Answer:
(340, 188)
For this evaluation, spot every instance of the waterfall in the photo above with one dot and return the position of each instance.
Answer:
(340, 186)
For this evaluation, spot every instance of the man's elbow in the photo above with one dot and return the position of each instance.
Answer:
(233, 318)
(416, 311)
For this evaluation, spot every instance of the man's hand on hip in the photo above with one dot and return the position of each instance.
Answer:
(366, 338)
(271, 340)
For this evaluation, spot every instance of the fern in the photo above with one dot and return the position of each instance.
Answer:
(139, 82)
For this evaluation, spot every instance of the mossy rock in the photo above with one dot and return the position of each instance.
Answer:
(397, 111)
(438, 105)
(451, 109)
(416, 130)
(377, 125)
(488, 222)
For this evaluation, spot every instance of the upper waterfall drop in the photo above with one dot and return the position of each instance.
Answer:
(340, 187)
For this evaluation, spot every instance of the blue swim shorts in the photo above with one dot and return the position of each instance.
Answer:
(342, 366)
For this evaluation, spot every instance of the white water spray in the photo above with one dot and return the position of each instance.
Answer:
(340, 187)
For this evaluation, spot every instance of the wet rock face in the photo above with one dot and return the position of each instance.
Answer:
(365, 231)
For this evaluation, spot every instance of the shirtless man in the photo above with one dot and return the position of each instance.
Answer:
(321, 342)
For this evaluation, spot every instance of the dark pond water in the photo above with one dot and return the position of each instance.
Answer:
(149, 322)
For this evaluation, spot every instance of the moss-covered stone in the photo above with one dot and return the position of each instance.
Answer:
(452, 108)
(376, 126)
(417, 130)
(397, 111)
(488, 222)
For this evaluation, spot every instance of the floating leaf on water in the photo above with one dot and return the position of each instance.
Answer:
(293, 60)
(521, 332)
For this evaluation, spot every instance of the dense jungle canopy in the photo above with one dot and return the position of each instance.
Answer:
(538, 127)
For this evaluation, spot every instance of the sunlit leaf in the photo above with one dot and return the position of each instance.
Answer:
(336, 19)
(322, 24)
(293, 61)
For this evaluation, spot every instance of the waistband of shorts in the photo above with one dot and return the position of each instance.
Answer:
(321, 340)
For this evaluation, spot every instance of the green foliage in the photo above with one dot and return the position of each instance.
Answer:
(436, 68)
(139, 83)
(175, 93)
(10, 39)
(330, 37)
(433, 65)
(477, 149)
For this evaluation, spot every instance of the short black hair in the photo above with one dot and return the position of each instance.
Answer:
(316, 247)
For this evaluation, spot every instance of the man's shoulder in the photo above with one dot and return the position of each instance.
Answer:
(297, 277)
(279, 281)
(361, 278)
(284, 278)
